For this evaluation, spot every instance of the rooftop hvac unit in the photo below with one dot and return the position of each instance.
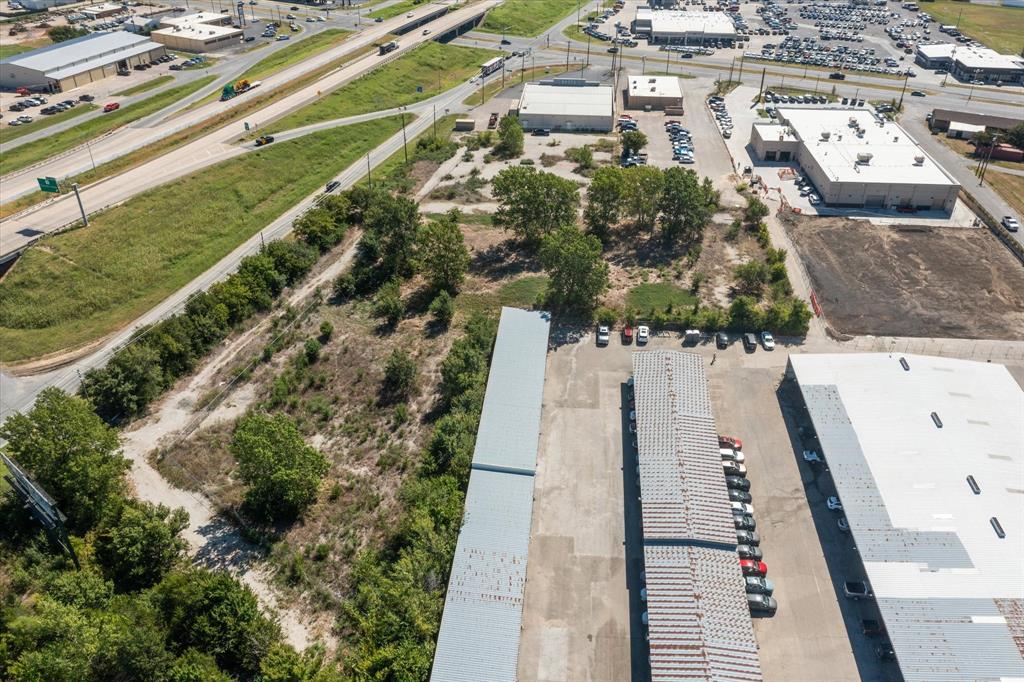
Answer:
(918, 160)
(864, 158)
(895, 138)
(853, 122)
(652, 80)
(825, 135)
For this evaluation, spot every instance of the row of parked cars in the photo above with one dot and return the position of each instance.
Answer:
(37, 101)
(681, 140)
(718, 109)
(625, 124)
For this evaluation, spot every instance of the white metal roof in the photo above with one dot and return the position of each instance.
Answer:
(965, 127)
(204, 32)
(894, 155)
(692, 24)
(483, 608)
(566, 100)
(950, 590)
(654, 86)
(108, 47)
(510, 420)
(196, 18)
(970, 57)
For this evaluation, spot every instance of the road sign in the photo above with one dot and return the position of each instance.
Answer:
(49, 185)
(419, 88)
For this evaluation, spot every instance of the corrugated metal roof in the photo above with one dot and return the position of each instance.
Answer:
(76, 51)
(698, 619)
(681, 476)
(483, 611)
(950, 590)
(141, 48)
(510, 420)
(699, 622)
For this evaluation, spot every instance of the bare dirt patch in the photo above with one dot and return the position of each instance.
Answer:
(911, 281)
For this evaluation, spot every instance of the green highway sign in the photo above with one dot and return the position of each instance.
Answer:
(49, 185)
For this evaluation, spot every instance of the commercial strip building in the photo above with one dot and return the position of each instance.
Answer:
(483, 608)
(972, 63)
(927, 455)
(104, 9)
(567, 104)
(659, 93)
(943, 118)
(699, 625)
(678, 27)
(856, 159)
(200, 32)
(77, 62)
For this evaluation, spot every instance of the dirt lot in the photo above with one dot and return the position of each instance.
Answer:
(920, 282)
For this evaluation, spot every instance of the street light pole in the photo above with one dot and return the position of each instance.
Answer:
(85, 218)
(906, 77)
(405, 149)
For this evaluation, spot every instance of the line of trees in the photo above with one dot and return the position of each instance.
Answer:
(136, 610)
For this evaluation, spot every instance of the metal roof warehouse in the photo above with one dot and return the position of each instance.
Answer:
(699, 625)
(927, 455)
(483, 609)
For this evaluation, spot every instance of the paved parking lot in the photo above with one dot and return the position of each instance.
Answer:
(580, 619)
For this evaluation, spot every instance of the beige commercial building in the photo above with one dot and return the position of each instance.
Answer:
(200, 32)
(658, 93)
(567, 104)
(856, 160)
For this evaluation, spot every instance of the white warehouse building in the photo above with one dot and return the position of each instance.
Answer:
(677, 27)
(567, 104)
(855, 160)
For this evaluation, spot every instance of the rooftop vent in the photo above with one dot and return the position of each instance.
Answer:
(997, 527)
(895, 138)
(825, 135)
(974, 485)
(905, 364)
(935, 418)
(918, 160)
(864, 158)
(853, 121)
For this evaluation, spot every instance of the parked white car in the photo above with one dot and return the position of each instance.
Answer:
(643, 333)
(732, 455)
(834, 504)
(742, 508)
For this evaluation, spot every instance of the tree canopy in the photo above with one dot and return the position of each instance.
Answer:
(443, 255)
(604, 200)
(573, 261)
(510, 137)
(686, 205)
(533, 203)
(138, 543)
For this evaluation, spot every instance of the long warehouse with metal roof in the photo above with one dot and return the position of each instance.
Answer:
(927, 455)
(483, 609)
(699, 625)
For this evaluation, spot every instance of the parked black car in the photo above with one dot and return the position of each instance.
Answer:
(748, 537)
(722, 340)
(750, 342)
(738, 482)
(740, 496)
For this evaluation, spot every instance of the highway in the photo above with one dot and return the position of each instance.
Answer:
(20, 229)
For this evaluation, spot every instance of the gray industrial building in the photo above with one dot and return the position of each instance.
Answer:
(680, 27)
(483, 609)
(567, 104)
(699, 624)
(927, 457)
(77, 62)
(969, 63)
(657, 93)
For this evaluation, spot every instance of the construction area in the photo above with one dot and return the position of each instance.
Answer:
(910, 281)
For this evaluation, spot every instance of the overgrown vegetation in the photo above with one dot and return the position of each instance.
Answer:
(526, 17)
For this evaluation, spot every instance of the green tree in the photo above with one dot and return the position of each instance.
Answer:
(283, 664)
(744, 315)
(685, 206)
(751, 278)
(755, 210)
(982, 139)
(129, 382)
(281, 471)
(1015, 136)
(196, 666)
(443, 255)
(583, 156)
(71, 453)
(389, 304)
(137, 544)
(604, 199)
(217, 615)
(443, 308)
(533, 203)
(573, 261)
(59, 34)
(641, 194)
(320, 227)
(400, 374)
(393, 223)
(633, 141)
(510, 137)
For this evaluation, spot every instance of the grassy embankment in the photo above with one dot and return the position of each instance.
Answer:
(396, 9)
(1010, 187)
(432, 67)
(1001, 28)
(493, 85)
(8, 133)
(526, 17)
(135, 255)
(36, 151)
(144, 87)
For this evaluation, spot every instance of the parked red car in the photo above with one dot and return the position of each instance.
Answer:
(753, 567)
(111, 106)
(730, 442)
(627, 334)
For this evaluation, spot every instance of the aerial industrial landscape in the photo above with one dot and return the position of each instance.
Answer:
(512, 340)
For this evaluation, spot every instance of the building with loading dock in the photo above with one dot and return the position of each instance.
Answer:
(199, 32)
(856, 160)
(567, 104)
(74, 63)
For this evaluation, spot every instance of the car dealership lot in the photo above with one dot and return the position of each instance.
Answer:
(582, 603)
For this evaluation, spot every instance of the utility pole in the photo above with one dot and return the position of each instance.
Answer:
(760, 89)
(731, 67)
(568, 45)
(85, 218)
(435, 121)
(983, 166)
(906, 77)
(369, 173)
(405, 149)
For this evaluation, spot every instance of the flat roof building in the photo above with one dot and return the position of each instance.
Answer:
(104, 9)
(77, 62)
(972, 63)
(942, 118)
(483, 606)
(855, 159)
(679, 27)
(699, 624)
(567, 104)
(200, 32)
(927, 456)
(661, 93)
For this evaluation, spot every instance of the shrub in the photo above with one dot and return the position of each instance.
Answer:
(443, 308)
(400, 373)
(388, 304)
(344, 287)
(311, 349)
(607, 316)
(326, 330)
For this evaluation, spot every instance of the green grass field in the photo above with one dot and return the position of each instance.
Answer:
(17, 48)
(528, 17)
(396, 9)
(519, 293)
(658, 296)
(8, 133)
(30, 153)
(1001, 28)
(133, 256)
(433, 67)
(144, 87)
(297, 52)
